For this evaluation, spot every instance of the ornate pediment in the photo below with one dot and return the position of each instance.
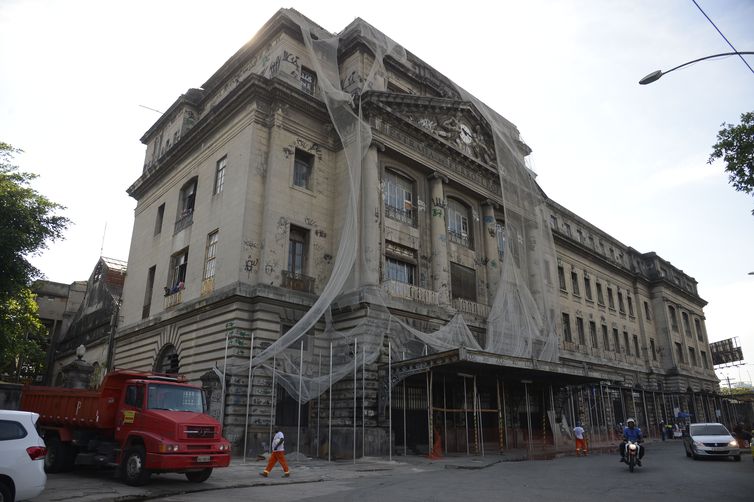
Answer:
(455, 123)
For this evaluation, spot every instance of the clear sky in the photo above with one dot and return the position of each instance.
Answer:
(76, 75)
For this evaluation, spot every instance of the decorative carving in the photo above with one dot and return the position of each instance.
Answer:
(314, 148)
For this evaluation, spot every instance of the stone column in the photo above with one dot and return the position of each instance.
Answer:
(368, 260)
(439, 239)
(491, 252)
(273, 258)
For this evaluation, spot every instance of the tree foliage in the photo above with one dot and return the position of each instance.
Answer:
(23, 338)
(27, 223)
(735, 145)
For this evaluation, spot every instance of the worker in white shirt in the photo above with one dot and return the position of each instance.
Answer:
(580, 435)
(277, 455)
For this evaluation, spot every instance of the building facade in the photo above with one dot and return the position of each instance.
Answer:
(373, 229)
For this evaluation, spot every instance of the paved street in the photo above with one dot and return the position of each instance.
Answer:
(667, 475)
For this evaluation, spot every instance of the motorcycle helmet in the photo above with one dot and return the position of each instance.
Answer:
(630, 421)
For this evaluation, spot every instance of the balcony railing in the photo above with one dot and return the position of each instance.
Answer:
(410, 292)
(459, 238)
(173, 299)
(469, 307)
(297, 282)
(186, 219)
(399, 214)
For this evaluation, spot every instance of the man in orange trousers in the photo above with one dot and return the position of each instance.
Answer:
(277, 455)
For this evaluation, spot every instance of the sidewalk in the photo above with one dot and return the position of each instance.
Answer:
(100, 485)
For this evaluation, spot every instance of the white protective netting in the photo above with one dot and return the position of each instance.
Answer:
(522, 318)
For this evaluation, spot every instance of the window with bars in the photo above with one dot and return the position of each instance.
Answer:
(308, 81)
(211, 254)
(398, 198)
(459, 230)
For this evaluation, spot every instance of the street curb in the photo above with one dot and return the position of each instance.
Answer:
(156, 496)
(473, 467)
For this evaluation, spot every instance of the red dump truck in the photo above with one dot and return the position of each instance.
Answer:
(140, 422)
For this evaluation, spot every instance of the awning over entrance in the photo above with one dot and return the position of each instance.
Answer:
(508, 367)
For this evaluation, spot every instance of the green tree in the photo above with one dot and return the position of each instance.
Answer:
(23, 338)
(735, 145)
(27, 223)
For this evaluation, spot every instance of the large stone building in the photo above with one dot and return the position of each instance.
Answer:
(374, 229)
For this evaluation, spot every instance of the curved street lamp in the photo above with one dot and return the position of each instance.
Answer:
(655, 75)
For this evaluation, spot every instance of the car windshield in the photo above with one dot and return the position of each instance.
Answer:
(174, 398)
(709, 430)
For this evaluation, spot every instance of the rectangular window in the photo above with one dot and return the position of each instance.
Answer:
(297, 245)
(553, 222)
(637, 353)
(561, 278)
(458, 223)
(575, 283)
(646, 311)
(705, 364)
(158, 219)
(679, 352)
(630, 306)
(625, 343)
(610, 301)
(580, 236)
(621, 306)
(220, 175)
(308, 81)
(652, 348)
(400, 271)
(462, 282)
(580, 330)
(211, 254)
(178, 267)
(686, 325)
(567, 228)
(567, 328)
(673, 318)
(692, 357)
(593, 333)
(605, 338)
(148, 292)
(698, 327)
(398, 197)
(600, 298)
(303, 164)
(616, 340)
(587, 288)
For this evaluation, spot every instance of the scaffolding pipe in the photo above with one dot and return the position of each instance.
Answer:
(622, 404)
(644, 405)
(481, 423)
(444, 416)
(528, 417)
(319, 398)
(390, 399)
(248, 397)
(272, 401)
(363, 400)
(466, 415)
(225, 368)
(300, 380)
(476, 422)
(405, 404)
(329, 416)
(505, 422)
(500, 423)
(355, 358)
(429, 410)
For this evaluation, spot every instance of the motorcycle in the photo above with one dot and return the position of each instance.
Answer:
(632, 454)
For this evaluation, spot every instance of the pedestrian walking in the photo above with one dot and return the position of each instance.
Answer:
(662, 429)
(277, 455)
(580, 435)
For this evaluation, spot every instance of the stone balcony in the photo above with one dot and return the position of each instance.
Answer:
(405, 291)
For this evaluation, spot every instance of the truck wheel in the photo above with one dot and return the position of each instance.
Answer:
(199, 476)
(56, 455)
(5, 492)
(133, 470)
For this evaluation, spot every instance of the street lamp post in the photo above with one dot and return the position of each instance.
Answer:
(655, 75)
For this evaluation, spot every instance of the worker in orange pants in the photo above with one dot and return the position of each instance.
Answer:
(277, 455)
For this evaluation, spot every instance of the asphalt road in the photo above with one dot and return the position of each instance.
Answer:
(667, 475)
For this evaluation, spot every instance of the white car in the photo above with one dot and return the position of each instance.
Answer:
(710, 440)
(22, 454)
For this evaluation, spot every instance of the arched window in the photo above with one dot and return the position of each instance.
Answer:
(398, 197)
(459, 226)
(167, 360)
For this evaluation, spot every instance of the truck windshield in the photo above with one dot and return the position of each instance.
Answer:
(174, 398)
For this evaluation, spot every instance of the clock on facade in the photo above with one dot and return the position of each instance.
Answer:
(465, 134)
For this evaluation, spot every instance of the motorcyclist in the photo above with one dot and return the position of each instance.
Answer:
(631, 433)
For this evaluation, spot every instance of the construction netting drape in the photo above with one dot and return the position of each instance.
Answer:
(521, 322)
